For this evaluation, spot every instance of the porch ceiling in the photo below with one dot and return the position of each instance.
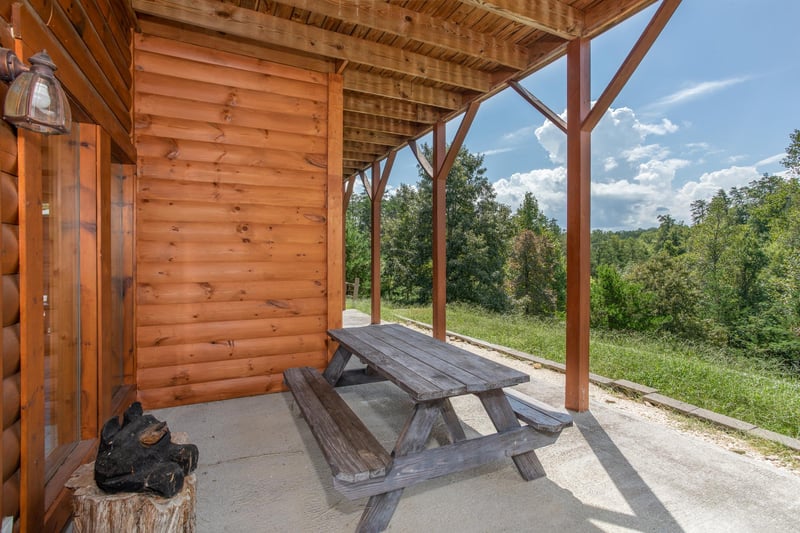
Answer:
(406, 63)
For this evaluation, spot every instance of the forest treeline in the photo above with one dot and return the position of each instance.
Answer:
(730, 276)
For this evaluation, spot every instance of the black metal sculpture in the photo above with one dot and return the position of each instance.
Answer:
(139, 456)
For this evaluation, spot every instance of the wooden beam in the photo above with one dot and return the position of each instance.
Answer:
(388, 108)
(552, 16)
(605, 15)
(421, 159)
(335, 215)
(458, 140)
(277, 31)
(410, 24)
(403, 90)
(632, 61)
(578, 226)
(379, 180)
(439, 233)
(365, 182)
(355, 134)
(31, 261)
(383, 125)
(540, 106)
(349, 184)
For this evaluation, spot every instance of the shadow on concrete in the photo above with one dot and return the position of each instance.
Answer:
(647, 508)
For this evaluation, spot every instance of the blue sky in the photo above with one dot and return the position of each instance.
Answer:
(711, 106)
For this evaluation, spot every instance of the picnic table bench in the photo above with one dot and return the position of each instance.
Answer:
(430, 372)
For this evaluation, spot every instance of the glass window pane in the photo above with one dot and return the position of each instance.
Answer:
(61, 214)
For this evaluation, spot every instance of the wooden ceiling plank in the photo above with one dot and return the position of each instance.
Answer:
(605, 15)
(383, 107)
(310, 39)
(372, 137)
(420, 27)
(552, 16)
(385, 125)
(369, 83)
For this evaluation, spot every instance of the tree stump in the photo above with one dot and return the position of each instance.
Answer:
(132, 512)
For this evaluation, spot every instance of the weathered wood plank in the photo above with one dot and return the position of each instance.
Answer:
(336, 365)
(429, 464)
(537, 414)
(351, 450)
(415, 385)
(504, 420)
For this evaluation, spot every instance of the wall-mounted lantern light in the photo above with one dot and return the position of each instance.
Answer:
(35, 99)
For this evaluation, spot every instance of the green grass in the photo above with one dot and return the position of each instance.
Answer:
(748, 389)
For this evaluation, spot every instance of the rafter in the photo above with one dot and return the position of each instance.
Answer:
(357, 134)
(382, 107)
(385, 125)
(277, 31)
(368, 83)
(420, 27)
(552, 16)
(605, 15)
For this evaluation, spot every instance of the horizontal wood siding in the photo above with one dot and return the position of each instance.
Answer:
(231, 222)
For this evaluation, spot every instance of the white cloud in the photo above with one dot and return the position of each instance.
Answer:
(696, 91)
(496, 151)
(771, 160)
(633, 181)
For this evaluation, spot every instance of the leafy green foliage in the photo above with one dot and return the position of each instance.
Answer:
(731, 277)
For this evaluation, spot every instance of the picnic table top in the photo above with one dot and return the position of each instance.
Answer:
(426, 368)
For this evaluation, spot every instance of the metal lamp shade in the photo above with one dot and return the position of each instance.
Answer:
(36, 101)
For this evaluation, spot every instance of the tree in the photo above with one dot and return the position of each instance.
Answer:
(792, 159)
(357, 241)
(536, 273)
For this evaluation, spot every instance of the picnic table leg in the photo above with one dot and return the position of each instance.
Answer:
(413, 438)
(451, 421)
(503, 418)
(335, 368)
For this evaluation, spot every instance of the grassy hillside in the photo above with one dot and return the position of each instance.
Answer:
(747, 389)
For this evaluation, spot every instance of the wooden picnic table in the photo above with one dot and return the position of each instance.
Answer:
(430, 372)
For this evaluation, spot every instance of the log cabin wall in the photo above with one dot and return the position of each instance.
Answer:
(10, 397)
(236, 232)
(90, 41)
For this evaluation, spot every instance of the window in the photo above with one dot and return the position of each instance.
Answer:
(61, 298)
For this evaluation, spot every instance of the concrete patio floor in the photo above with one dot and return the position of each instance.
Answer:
(617, 469)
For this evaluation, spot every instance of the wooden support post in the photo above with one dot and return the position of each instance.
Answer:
(439, 232)
(335, 225)
(378, 187)
(578, 225)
